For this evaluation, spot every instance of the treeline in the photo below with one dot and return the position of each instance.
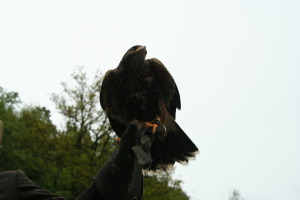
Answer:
(64, 161)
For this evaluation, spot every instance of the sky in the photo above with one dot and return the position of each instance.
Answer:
(236, 64)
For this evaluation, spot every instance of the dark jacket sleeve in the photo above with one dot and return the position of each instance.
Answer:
(15, 185)
(8, 189)
(27, 189)
(91, 193)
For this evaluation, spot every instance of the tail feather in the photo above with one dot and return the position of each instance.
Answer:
(185, 144)
(176, 147)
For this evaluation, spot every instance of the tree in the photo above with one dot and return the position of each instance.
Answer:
(28, 137)
(163, 188)
(235, 195)
(81, 109)
(1, 130)
(87, 132)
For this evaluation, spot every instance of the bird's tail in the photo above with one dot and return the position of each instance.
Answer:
(176, 147)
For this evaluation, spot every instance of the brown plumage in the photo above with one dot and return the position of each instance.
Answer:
(143, 90)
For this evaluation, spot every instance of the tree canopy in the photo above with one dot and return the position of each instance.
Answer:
(64, 161)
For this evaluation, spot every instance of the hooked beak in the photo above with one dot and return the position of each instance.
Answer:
(142, 49)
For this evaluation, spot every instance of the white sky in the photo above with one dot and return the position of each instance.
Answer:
(236, 63)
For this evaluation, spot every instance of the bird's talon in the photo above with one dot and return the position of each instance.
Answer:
(118, 139)
(153, 126)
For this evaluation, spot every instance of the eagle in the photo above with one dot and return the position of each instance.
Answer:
(143, 90)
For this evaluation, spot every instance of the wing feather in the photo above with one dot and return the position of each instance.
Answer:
(166, 81)
(106, 92)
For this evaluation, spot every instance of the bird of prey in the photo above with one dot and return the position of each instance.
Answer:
(143, 90)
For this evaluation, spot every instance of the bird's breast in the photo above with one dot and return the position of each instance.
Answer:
(139, 96)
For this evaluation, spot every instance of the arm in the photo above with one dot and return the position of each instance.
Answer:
(113, 179)
(16, 185)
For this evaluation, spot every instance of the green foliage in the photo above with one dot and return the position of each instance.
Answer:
(87, 140)
(64, 161)
(163, 188)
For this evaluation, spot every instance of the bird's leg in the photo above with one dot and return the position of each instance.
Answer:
(118, 139)
(154, 125)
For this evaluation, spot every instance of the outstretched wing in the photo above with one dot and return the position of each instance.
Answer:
(167, 84)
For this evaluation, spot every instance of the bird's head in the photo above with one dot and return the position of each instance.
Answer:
(134, 56)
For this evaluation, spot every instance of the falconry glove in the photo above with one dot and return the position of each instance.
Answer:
(143, 157)
(115, 176)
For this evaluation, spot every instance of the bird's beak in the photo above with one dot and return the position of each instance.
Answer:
(141, 49)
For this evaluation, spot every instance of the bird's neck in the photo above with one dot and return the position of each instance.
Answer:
(132, 68)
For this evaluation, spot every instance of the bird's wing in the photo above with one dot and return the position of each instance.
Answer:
(166, 81)
(106, 92)
(110, 103)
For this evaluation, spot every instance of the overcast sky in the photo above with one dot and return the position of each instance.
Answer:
(236, 64)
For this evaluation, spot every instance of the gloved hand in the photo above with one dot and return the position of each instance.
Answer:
(114, 178)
